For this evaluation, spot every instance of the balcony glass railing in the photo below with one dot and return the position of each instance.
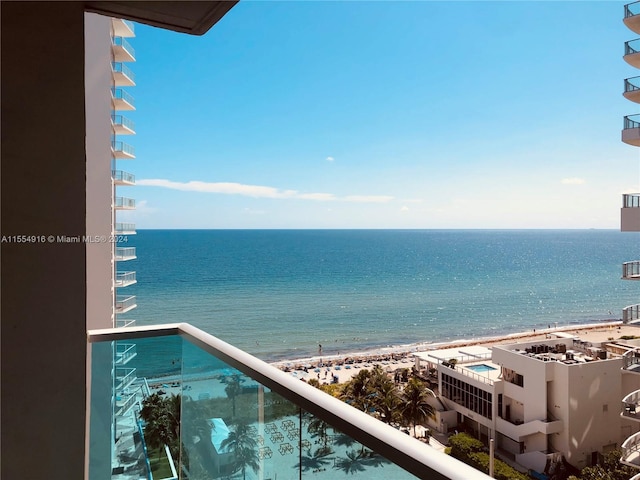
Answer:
(119, 67)
(631, 269)
(121, 176)
(631, 121)
(125, 303)
(125, 253)
(242, 418)
(123, 147)
(125, 228)
(631, 200)
(124, 352)
(125, 278)
(121, 42)
(123, 202)
(632, 46)
(120, 120)
(120, 94)
(125, 322)
(631, 84)
(631, 450)
(124, 378)
(630, 313)
(631, 9)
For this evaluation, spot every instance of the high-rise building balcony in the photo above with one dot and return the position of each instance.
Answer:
(632, 52)
(631, 270)
(630, 213)
(125, 322)
(123, 254)
(124, 378)
(125, 352)
(125, 402)
(631, 361)
(125, 304)
(631, 406)
(632, 17)
(631, 130)
(123, 203)
(121, 99)
(124, 228)
(123, 178)
(124, 279)
(631, 313)
(122, 150)
(285, 424)
(122, 75)
(632, 89)
(122, 27)
(122, 125)
(122, 50)
(631, 451)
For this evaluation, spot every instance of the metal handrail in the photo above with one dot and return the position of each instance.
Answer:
(124, 121)
(119, 67)
(630, 86)
(125, 252)
(121, 42)
(631, 269)
(119, 93)
(124, 202)
(123, 147)
(124, 227)
(404, 451)
(122, 176)
(628, 12)
(631, 200)
(630, 313)
(123, 277)
(628, 49)
(630, 123)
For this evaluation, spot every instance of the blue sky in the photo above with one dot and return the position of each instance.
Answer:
(385, 115)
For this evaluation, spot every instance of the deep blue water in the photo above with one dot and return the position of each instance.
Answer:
(280, 293)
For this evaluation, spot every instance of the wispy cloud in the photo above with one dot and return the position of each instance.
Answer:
(259, 191)
(330, 159)
(573, 181)
(404, 208)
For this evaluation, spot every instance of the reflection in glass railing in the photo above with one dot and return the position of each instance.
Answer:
(212, 412)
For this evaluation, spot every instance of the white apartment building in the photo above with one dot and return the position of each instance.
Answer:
(630, 222)
(539, 399)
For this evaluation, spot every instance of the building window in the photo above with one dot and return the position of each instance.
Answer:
(469, 396)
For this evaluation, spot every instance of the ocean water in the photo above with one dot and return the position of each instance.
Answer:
(278, 294)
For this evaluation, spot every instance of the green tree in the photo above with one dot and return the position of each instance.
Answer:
(415, 408)
(609, 469)
(244, 447)
(233, 389)
(162, 422)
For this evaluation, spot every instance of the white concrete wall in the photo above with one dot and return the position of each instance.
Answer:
(98, 82)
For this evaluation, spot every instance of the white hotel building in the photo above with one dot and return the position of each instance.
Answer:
(540, 401)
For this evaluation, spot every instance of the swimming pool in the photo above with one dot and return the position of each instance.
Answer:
(481, 368)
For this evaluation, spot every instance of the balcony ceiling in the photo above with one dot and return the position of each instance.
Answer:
(191, 17)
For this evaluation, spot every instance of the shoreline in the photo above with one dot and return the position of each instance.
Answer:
(344, 366)
(406, 350)
(426, 345)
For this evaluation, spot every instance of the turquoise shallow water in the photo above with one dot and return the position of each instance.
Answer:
(280, 293)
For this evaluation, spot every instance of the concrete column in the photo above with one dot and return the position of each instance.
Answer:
(43, 310)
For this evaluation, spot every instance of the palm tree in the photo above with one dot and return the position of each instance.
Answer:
(318, 428)
(243, 445)
(387, 402)
(415, 408)
(233, 389)
(162, 421)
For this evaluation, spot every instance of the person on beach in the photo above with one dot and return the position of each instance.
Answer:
(319, 349)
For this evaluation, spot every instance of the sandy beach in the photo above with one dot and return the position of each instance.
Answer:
(344, 367)
(341, 368)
